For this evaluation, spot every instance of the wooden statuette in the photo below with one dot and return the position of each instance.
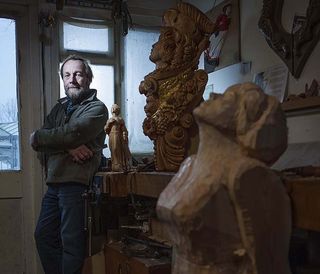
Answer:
(118, 141)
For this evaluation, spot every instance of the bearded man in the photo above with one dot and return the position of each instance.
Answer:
(72, 139)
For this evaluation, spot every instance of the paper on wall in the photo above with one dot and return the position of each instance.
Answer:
(273, 81)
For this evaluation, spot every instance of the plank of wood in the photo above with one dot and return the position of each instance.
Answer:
(149, 184)
(303, 103)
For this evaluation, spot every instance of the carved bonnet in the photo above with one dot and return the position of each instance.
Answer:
(261, 124)
(251, 118)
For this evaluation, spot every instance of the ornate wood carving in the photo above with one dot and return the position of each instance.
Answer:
(175, 87)
(293, 49)
(225, 210)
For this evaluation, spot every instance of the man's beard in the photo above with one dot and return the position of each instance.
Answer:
(76, 95)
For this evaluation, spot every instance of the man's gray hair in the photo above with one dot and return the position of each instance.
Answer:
(85, 62)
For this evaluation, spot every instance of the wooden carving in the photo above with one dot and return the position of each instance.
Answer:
(294, 49)
(225, 210)
(118, 141)
(175, 87)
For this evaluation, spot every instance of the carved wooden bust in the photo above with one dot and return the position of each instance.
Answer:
(175, 87)
(227, 212)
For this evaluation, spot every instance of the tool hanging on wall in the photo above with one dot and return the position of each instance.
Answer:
(120, 12)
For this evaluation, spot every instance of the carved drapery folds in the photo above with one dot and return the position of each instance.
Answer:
(175, 87)
(294, 49)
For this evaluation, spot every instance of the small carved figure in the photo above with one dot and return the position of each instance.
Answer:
(311, 91)
(212, 53)
(225, 210)
(175, 87)
(118, 141)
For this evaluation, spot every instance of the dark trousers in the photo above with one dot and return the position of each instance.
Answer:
(60, 235)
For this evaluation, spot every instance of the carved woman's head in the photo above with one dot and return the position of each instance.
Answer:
(183, 38)
(115, 109)
(188, 20)
(163, 50)
(251, 118)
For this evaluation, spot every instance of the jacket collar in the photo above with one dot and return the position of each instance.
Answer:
(92, 96)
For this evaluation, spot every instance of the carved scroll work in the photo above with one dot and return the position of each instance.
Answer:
(175, 87)
(293, 49)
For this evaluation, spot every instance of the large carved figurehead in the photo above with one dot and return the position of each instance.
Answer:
(175, 87)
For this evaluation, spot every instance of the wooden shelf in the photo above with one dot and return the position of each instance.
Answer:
(300, 104)
(119, 184)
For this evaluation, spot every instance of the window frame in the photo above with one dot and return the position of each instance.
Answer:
(124, 110)
(96, 58)
(115, 58)
(16, 19)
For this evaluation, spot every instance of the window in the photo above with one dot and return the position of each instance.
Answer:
(80, 36)
(138, 45)
(93, 40)
(77, 37)
(9, 124)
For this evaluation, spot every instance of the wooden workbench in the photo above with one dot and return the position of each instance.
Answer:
(120, 184)
(303, 191)
(305, 197)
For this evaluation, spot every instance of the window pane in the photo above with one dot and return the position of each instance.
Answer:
(137, 64)
(86, 37)
(9, 127)
(103, 82)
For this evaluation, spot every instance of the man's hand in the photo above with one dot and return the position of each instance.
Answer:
(80, 154)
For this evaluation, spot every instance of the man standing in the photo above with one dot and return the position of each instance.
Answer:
(72, 138)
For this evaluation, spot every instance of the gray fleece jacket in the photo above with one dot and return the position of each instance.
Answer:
(61, 132)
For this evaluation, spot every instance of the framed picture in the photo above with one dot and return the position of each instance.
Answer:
(224, 48)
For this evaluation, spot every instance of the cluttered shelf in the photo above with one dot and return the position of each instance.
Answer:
(302, 104)
(303, 191)
(302, 184)
(307, 102)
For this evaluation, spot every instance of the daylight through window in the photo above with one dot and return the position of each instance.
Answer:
(9, 123)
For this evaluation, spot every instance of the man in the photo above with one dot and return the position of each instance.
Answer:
(72, 138)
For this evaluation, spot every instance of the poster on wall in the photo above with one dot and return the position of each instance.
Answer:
(224, 48)
(273, 81)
